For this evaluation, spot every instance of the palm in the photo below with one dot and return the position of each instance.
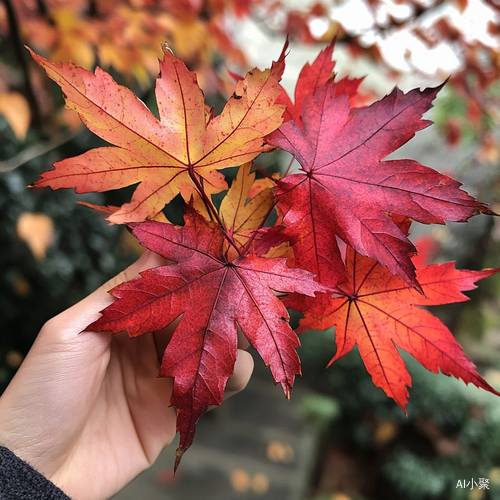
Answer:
(130, 418)
(110, 405)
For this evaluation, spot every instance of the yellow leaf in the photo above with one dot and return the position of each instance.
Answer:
(112, 56)
(283, 250)
(188, 38)
(15, 109)
(261, 184)
(74, 39)
(240, 216)
(37, 231)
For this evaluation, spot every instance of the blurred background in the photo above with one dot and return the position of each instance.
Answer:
(339, 438)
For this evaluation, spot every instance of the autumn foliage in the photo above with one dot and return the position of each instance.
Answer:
(339, 250)
(124, 36)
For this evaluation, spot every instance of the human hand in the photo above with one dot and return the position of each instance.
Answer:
(88, 410)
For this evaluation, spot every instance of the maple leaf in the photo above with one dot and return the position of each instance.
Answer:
(378, 311)
(311, 78)
(346, 189)
(175, 154)
(214, 296)
(241, 215)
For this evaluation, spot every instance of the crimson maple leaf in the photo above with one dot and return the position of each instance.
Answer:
(346, 189)
(378, 311)
(181, 152)
(311, 78)
(214, 296)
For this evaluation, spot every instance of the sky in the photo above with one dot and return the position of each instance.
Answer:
(404, 51)
(420, 66)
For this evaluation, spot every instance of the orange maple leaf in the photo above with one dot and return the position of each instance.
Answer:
(377, 312)
(179, 152)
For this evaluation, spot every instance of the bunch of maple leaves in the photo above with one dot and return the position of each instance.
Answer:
(339, 249)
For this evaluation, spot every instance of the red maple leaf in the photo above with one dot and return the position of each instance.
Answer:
(311, 78)
(214, 296)
(377, 312)
(346, 189)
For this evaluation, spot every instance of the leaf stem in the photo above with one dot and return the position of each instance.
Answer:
(210, 207)
(289, 167)
(262, 171)
(22, 58)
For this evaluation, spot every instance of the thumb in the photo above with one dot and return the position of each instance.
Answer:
(147, 260)
(78, 317)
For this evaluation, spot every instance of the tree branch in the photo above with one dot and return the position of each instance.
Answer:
(22, 58)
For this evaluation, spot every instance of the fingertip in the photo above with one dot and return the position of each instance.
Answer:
(243, 369)
(242, 340)
(147, 260)
(88, 309)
